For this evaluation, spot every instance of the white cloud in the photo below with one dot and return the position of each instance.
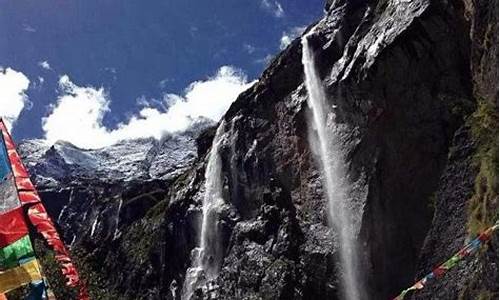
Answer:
(77, 117)
(28, 28)
(288, 36)
(274, 7)
(164, 82)
(13, 99)
(266, 60)
(38, 84)
(250, 49)
(45, 65)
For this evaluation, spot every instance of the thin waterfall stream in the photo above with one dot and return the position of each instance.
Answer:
(207, 258)
(327, 144)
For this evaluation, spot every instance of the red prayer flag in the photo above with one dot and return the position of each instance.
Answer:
(12, 227)
(38, 216)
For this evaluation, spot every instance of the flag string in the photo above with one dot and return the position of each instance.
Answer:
(472, 247)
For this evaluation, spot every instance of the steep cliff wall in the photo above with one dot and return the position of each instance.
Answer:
(412, 86)
(467, 196)
(399, 76)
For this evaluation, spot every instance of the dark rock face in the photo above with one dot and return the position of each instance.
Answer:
(110, 203)
(398, 127)
(477, 277)
(403, 76)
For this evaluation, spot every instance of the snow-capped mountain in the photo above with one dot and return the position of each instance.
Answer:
(403, 79)
(128, 160)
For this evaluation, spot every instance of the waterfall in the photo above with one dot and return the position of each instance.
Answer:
(63, 210)
(94, 225)
(326, 142)
(207, 258)
(117, 232)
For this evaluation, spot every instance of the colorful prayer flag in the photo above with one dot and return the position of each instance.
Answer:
(18, 265)
(469, 249)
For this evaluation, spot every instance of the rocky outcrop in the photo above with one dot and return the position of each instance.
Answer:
(403, 77)
(472, 163)
(109, 204)
(396, 73)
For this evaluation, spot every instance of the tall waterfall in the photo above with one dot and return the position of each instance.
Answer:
(326, 143)
(207, 258)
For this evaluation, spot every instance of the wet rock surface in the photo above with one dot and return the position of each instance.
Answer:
(402, 77)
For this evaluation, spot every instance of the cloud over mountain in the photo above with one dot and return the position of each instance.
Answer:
(273, 7)
(13, 85)
(78, 115)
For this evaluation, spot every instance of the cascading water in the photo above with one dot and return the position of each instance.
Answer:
(331, 160)
(117, 232)
(207, 258)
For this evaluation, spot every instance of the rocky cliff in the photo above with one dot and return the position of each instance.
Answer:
(415, 89)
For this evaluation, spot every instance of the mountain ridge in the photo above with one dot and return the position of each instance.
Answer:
(407, 79)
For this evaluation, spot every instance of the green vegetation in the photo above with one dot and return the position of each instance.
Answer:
(158, 210)
(480, 295)
(139, 241)
(431, 205)
(96, 282)
(483, 206)
(485, 295)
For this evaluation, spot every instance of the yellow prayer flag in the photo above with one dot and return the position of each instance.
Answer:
(24, 274)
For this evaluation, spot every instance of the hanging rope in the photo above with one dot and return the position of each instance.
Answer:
(471, 248)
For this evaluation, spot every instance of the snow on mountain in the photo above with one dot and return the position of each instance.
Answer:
(128, 160)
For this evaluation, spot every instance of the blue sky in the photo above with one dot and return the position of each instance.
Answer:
(137, 51)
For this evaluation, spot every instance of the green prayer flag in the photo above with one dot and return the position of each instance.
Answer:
(19, 250)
